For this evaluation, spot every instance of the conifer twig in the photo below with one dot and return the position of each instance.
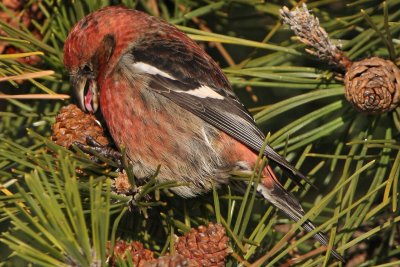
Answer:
(307, 28)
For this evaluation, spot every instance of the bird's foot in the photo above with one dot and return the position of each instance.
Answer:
(97, 150)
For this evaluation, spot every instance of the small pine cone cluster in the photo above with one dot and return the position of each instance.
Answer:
(140, 255)
(372, 85)
(73, 125)
(22, 13)
(206, 245)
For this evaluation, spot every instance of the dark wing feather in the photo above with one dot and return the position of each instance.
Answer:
(228, 115)
(286, 202)
(191, 68)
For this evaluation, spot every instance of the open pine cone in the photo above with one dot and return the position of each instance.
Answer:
(372, 85)
(139, 254)
(73, 125)
(206, 245)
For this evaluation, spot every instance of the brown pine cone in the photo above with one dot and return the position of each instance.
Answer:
(171, 261)
(372, 85)
(207, 245)
(139, 254)
(73, 125)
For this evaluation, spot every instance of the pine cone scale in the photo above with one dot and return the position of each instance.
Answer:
(206, 245)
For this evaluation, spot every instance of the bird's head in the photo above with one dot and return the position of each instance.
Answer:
(93, 47)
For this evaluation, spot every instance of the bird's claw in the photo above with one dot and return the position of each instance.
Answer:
(96, 149)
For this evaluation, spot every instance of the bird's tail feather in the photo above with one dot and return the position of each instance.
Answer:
(286, 202)
(294, 174)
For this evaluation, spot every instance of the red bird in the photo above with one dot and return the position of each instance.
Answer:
(170, 105)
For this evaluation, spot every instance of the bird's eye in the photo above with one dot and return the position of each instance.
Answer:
(86, 70)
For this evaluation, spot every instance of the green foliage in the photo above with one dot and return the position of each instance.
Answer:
(51, 215)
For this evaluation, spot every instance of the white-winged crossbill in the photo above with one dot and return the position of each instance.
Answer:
(170, 105)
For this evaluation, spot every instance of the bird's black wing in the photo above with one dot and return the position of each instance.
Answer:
(186, 75)
(223, 112)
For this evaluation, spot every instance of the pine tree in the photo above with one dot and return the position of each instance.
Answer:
(60, 206)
